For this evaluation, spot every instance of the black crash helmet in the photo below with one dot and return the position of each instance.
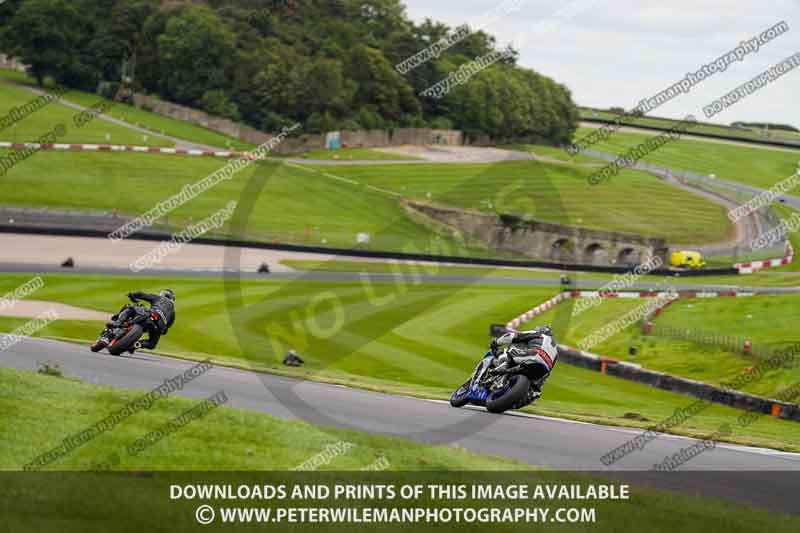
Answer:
(168, 294)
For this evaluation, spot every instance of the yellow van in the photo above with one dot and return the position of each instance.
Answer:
(687, 259)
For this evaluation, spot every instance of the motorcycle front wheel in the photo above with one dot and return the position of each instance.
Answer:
(97, 346)
(460, 397)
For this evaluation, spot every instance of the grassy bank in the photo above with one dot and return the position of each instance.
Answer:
(634, 203)
(46, 117)
(154, 122)
(41, 410)
(751, 165)
(700, 338)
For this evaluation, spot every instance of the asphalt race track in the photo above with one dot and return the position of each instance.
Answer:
(748, 475)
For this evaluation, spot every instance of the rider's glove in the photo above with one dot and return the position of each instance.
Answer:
(493, 346)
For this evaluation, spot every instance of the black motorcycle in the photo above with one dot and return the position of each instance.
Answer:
(499, 384)
(123, 334)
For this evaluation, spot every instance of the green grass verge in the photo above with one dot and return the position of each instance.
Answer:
(158, 124)
(42, 410)
(753, 166)
(785, 212)
(767, 321)
(43, 120)
(419, 340)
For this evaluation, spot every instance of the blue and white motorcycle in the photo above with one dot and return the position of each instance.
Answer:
(500, 382)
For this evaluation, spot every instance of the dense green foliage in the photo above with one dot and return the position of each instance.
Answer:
(327, 64)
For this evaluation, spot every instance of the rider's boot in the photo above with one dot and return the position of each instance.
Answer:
(536, 388)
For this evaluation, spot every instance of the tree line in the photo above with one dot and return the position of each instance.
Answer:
(329, 64)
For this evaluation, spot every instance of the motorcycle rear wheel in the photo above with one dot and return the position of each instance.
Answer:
(514, 392)
(127, 340)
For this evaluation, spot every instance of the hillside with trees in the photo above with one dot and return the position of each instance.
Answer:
(329, 64)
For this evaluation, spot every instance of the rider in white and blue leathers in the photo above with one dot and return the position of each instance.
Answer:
(535, 349)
